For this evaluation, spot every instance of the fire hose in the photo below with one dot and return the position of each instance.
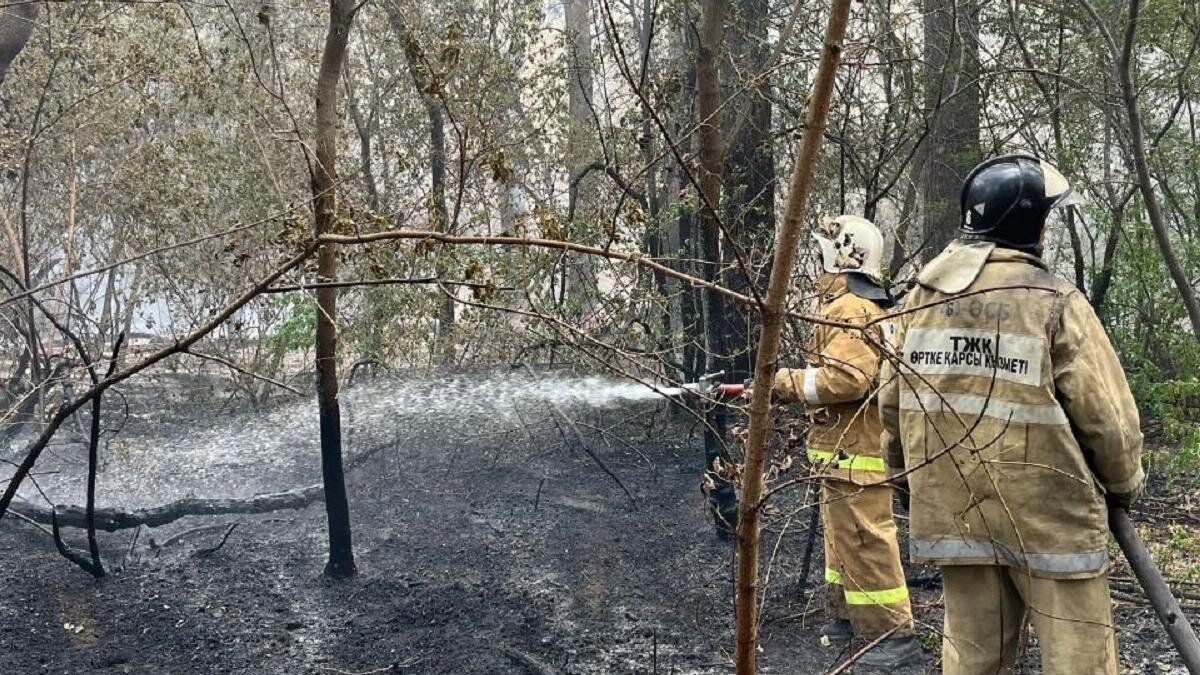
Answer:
(1157, 591)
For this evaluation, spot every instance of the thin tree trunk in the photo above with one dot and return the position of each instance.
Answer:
(437, 178)
(768, 346)
(324, 185)
(1103, 280)
(654, 225)
(578, 272)
(683, 238)
(1145, 183)
(364, 127)
(440, 214)
(97, 566)
(708, 100)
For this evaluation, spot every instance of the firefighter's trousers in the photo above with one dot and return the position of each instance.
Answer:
(988, 607)
(865, 582)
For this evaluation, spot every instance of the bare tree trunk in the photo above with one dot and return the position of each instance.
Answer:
(749, 172)
(440, 215)
(683, 236)
(952, 107)
(324, 186)
(654, 201)
(108, 311)
(723, 501)
(1162, 236)
(578, 272)
(1103, 280)
(437, 176)
(768, 346)
(365, 128)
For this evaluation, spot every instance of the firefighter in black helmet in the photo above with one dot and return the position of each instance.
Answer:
(1006, 200)
(1011, 411)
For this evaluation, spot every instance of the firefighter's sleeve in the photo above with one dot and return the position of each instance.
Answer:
(1093, 391)
(889, 404)
(789, 385)
(846, 368)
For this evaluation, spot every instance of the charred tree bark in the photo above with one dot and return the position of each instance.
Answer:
(749, 180)
(773, 313)
(114, 520)
(952, 107)
(723, 501)
(324, 187)
(688, 305)
(97, 567)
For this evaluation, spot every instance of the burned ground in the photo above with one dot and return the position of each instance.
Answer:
(486, 543)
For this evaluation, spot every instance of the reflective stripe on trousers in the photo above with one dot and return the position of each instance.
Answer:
(888, 596)
(841, 460)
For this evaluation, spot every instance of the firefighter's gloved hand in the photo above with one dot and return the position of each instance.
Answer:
(1126, 500)
(900, 487)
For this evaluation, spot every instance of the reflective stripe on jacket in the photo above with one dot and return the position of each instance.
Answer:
(838, 386)
(1012, 411)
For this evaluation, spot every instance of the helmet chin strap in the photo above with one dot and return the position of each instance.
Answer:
(1034, 249)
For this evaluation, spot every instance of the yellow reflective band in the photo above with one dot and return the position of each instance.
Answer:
(889, 597)
(849, 462)
(833, 576)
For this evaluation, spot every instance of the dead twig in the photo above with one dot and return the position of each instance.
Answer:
(583, 444)
(213, 549)
(238, 369)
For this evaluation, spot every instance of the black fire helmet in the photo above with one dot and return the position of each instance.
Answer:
(1007, 200)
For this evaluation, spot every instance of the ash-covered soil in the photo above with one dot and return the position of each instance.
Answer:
(487, 541)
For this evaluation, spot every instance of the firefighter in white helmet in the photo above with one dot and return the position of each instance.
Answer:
(1009, 410)
(866, 591)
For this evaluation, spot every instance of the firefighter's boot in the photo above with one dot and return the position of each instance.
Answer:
(838, 630)
(893, 653)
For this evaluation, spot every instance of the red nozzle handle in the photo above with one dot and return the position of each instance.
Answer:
(730, 390)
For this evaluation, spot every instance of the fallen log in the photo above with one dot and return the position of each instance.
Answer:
(113, 520)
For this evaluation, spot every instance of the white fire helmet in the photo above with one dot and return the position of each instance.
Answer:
(850, 244)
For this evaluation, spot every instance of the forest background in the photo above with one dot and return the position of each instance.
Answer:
(596, 184)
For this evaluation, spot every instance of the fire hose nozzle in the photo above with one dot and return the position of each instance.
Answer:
(730, 390)
(708, 385)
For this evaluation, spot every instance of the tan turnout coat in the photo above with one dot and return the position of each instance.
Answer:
(1013, 414)
(838, 386)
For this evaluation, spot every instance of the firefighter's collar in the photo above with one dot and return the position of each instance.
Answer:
(868, 289)
(956, 268)
(1001, 254)
(831, 285)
